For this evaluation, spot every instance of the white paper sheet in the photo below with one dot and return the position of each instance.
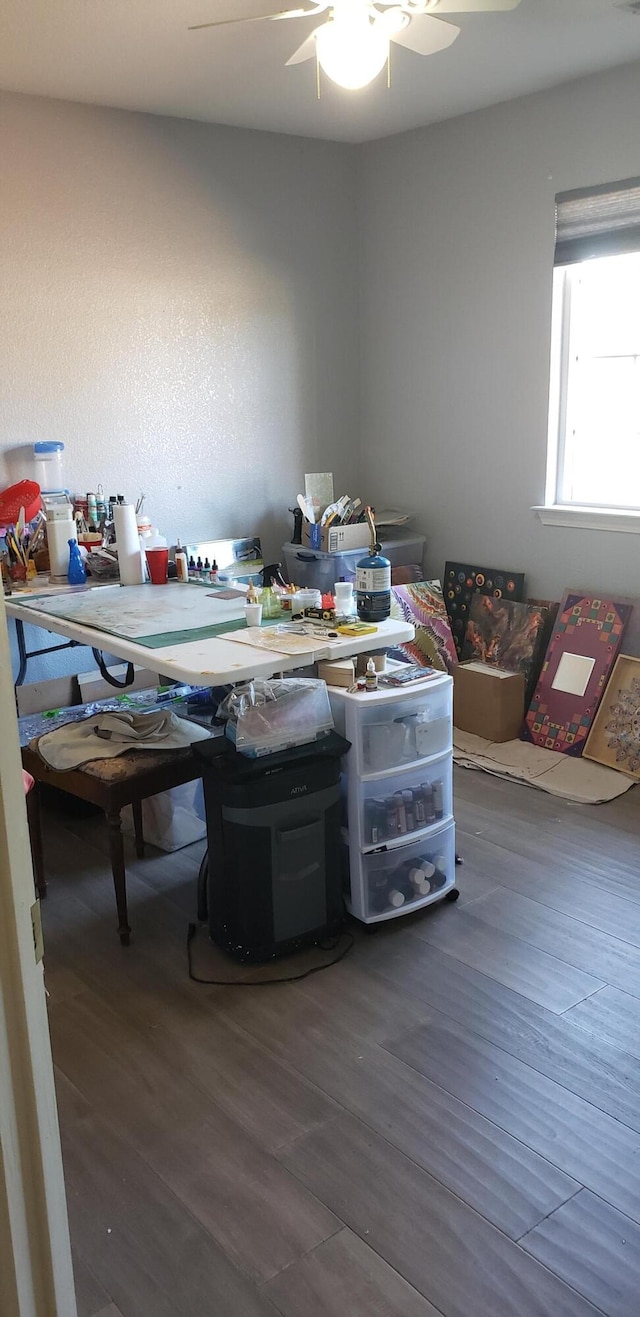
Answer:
(141, 610)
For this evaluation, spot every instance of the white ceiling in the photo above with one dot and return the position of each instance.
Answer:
(138, 55)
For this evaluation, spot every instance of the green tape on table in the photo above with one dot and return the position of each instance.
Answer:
(167, 638)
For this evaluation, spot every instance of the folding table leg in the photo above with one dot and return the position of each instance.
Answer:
(116, 850)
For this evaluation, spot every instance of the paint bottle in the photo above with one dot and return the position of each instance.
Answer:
(440, 875)
(419, 881)
(372, 822)
(401, 817)
(182, 567)
(407, 797)
(391, 820)
(395, 898)
(199, 568)
(214, 572)
(206, 571)
(429, 809)
(92, 511)
(371, 676)
(418, 808)
(192, 569)
(438, 798)
(382, 820)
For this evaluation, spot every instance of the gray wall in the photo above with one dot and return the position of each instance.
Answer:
(457, 225)
(179, 306)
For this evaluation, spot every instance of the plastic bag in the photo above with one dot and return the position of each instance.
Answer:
(263, 717)
(172, 819)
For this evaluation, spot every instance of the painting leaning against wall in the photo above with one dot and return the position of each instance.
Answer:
(614, 739)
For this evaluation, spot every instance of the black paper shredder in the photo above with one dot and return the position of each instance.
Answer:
(272, 880)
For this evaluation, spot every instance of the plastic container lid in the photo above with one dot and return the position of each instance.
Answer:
(60, 512)
(48, 448)
(26, 494)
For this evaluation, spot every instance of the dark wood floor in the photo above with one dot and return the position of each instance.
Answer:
(448, 1122)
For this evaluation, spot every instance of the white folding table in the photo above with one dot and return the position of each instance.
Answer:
(212, 661)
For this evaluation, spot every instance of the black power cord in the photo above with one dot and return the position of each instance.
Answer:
(264, 983)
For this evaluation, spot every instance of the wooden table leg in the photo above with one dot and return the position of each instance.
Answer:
(116, 850)
(136, 809)
(35, 838)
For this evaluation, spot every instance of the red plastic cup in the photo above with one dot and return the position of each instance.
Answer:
(158, 560)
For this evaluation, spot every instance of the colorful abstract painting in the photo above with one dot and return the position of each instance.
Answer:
(461, 582)
(422, 604)
(614, 738)
(506, 635)
(585, 641)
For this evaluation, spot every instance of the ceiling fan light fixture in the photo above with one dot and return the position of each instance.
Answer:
(352, 50)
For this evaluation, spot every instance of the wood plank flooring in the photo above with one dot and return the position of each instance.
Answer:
(446, 1124)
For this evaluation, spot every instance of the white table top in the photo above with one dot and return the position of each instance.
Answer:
(214, 661)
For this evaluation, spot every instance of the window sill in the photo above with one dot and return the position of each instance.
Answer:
(590, 518)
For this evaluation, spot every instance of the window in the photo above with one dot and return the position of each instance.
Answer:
(593, 465)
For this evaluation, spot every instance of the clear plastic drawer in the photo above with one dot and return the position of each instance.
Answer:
(394, 807)
(404, 731)
(405, 878)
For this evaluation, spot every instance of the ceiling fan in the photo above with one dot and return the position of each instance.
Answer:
(352, 45)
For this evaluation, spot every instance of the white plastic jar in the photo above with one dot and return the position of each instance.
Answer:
(48, 466)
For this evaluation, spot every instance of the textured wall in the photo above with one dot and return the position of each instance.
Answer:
(457, 263)
(179, 306)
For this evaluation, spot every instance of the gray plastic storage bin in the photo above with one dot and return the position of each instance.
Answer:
(314, 569)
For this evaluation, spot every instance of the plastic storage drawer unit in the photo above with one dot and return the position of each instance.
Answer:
(397, 795)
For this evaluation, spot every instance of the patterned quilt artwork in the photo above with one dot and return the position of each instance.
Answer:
(422, 604)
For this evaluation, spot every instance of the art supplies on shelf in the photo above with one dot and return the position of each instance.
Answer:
(23, 541)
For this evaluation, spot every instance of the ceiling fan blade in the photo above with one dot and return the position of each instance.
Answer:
(306, 51)
(257, 18)
(473, 6)
(319, 7)
(426, 35)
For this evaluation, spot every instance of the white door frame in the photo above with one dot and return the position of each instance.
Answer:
(36, 1277)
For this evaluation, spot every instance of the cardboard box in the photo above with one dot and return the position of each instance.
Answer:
(488, 702)
(335, 538)
(339, 672)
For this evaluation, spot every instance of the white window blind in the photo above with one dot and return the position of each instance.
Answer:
(598, 221)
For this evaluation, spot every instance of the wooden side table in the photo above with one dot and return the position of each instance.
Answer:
(111, 784)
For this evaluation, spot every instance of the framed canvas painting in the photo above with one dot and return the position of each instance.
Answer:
(506, 635)
(614, 739)
(586, 639)
(461, 582)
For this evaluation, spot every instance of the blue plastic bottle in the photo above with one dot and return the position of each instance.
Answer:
(76, 574)
(373, 582)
